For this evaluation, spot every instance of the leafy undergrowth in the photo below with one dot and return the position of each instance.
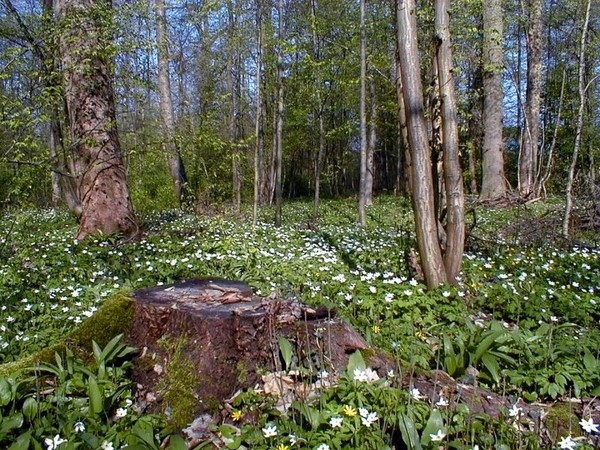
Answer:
(523, 320)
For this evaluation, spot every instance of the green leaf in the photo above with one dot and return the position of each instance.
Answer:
(11, 422)
(30, 408)
(590, 363)
(485, 345)
(410, 436)
(355, 361)
(22, 442)
(5, 392)
(285, 348)
(435, 423)
(144, 431)
(95, 396)
(176, 442)
(491, 364)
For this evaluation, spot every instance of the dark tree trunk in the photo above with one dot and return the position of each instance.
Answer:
(102, 179)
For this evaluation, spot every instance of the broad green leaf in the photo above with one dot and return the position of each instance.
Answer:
(355, 361)
(434, 424)
(30, 408)
(22, 442)
(5, 392)
(590, 363)
(95, 396)
(285, 348)
(485, 345)
(491, 364)
(11, 422)
(176, 442)
(410, 436)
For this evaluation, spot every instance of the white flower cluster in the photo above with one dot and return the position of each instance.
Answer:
(366, 376)
(367, 418)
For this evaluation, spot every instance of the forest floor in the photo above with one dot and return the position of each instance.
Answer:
(523, 321)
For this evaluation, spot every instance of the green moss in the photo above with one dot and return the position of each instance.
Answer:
(113, 317)
(242, 372)
(561, 420)
(177, 385)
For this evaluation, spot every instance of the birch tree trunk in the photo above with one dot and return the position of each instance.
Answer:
(173, 155)
(493, 183)
(102, 179)
(528, 162)
(455, 201)
(579, 125)
(423, 202)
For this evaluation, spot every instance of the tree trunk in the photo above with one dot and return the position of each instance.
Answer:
(102, 179)
(404, 166)
(455, 230)
(528, 161)
(423, 202)
(579, 126)
(493, 184)
(234, 82)
(546, 176)
(278, 159)
(173, 155)
(259, 150)
(321, 151)
(362, 191)
(371, 144)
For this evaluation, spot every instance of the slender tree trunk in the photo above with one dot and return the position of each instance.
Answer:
(234, 82)
(258, 121)
(579, 125)
(529, 151)
(404, 166)
(362, 191)
(174, 160)
(546, 176)
(372, 144)
(455, 231)
(279, 123)
(321, 151)
(493, 184)
(425, 223)
(106, 206)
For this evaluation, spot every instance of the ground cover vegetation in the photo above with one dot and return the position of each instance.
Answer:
(522, 320)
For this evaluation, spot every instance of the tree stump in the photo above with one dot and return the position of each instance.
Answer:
(208, 338)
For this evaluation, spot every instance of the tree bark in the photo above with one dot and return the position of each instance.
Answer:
(102, 179)
(423, 201)
(455, 201)
(278, 159)
(362, 191)
(579, 126)
(528, 162)
(371, 144)
(320, 120)
(173, 155)
(258, 120)
(493, 184)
